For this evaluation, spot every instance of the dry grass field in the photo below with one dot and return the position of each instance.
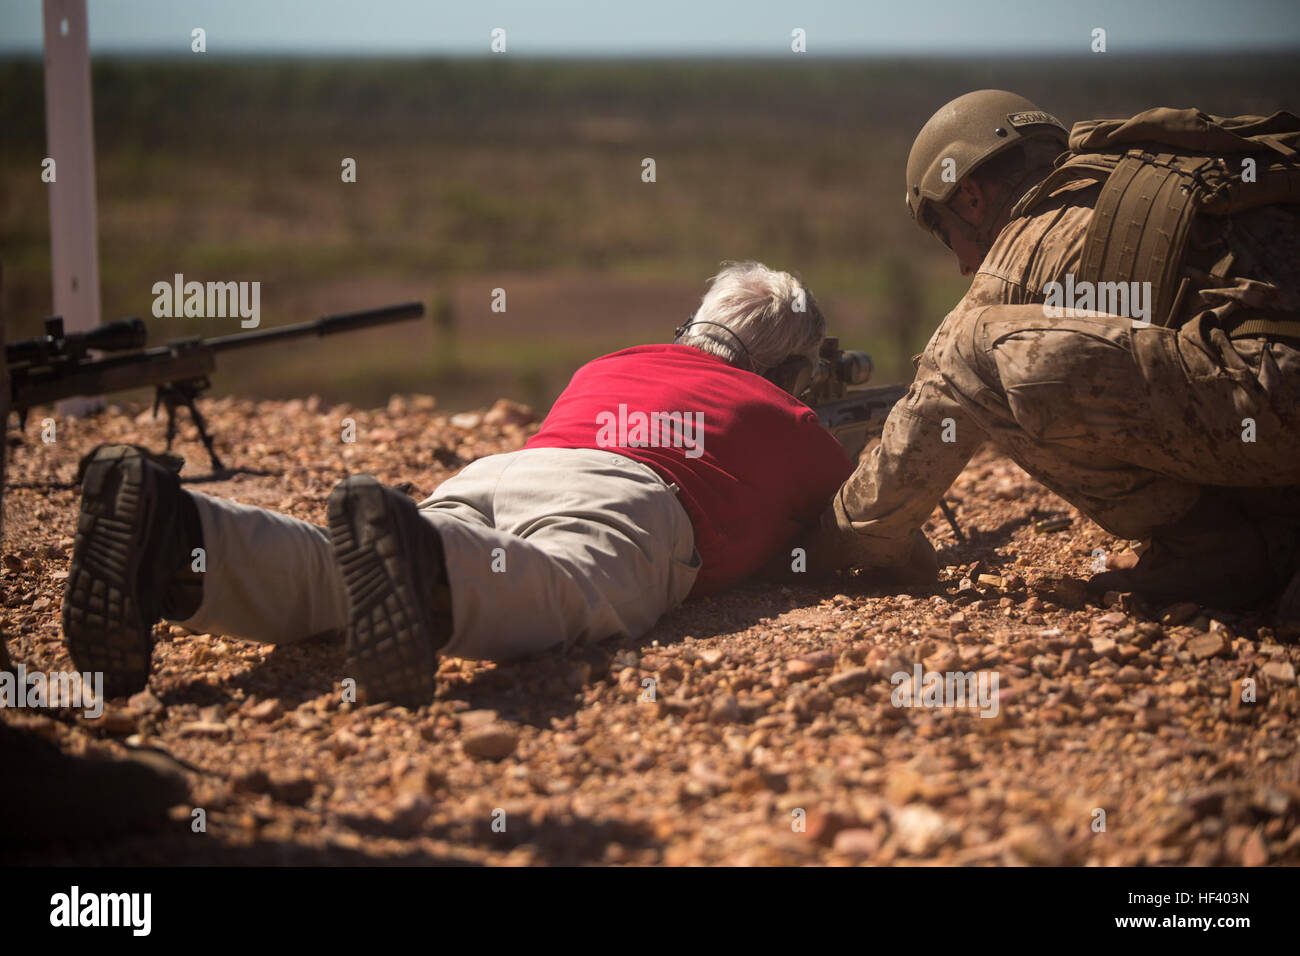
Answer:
(526, 176)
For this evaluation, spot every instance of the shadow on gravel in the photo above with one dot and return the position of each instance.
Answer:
(540, 691)
(980, 543)
(565, 841)
(186, 849)
(544, 690)
(726, 613)
(294, 673)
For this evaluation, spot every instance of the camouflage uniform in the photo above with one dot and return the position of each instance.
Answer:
(1127, 423)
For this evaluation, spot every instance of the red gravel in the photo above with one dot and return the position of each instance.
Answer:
(771, 739)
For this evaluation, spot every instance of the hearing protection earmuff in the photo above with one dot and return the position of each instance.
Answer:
(792, 374)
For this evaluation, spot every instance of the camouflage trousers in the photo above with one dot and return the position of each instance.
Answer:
(1130, 424)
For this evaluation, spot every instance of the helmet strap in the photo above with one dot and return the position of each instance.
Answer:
(991, 223)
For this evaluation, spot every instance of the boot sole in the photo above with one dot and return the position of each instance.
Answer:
(102, 624)
(393, 637)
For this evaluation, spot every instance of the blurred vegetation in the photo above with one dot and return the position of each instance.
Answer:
(478, 174)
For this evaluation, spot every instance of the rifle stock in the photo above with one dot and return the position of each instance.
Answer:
(178, 361)
(859, 415)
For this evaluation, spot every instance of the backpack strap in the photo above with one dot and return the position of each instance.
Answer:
(1276, 144)
(1264, 323)
(1069, 169)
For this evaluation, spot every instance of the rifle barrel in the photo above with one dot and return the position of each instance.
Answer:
(328, 325)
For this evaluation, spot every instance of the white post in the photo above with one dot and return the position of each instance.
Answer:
(70, 132)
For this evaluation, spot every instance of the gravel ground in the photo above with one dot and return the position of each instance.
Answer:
(1121, 734)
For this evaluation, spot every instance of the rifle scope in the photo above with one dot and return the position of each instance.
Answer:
(117, 336)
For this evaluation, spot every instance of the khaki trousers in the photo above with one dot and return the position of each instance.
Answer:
(544, 547)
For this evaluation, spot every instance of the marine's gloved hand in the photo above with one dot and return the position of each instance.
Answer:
(836, 545)
(922, 564)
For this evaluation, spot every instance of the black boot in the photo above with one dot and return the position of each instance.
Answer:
(399, 605)
(135, 534)
(1221, 553)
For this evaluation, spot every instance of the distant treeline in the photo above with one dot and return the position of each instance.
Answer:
(192, 98)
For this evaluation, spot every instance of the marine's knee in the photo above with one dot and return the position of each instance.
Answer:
(966, 356)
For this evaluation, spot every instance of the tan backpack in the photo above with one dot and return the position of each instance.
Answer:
(1161, 169)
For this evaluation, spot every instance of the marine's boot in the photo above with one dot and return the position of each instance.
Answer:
(399, 604)
(1217, 554)
(130, 563)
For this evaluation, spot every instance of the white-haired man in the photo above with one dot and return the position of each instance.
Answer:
(661, 471)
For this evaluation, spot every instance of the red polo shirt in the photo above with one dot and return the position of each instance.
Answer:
(752, 463)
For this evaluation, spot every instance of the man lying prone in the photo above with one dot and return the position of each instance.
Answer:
(662, 471)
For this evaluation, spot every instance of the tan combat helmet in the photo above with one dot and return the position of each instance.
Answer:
(963, 135)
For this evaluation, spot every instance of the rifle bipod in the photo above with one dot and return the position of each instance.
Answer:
(952, 520)
(173, 394)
